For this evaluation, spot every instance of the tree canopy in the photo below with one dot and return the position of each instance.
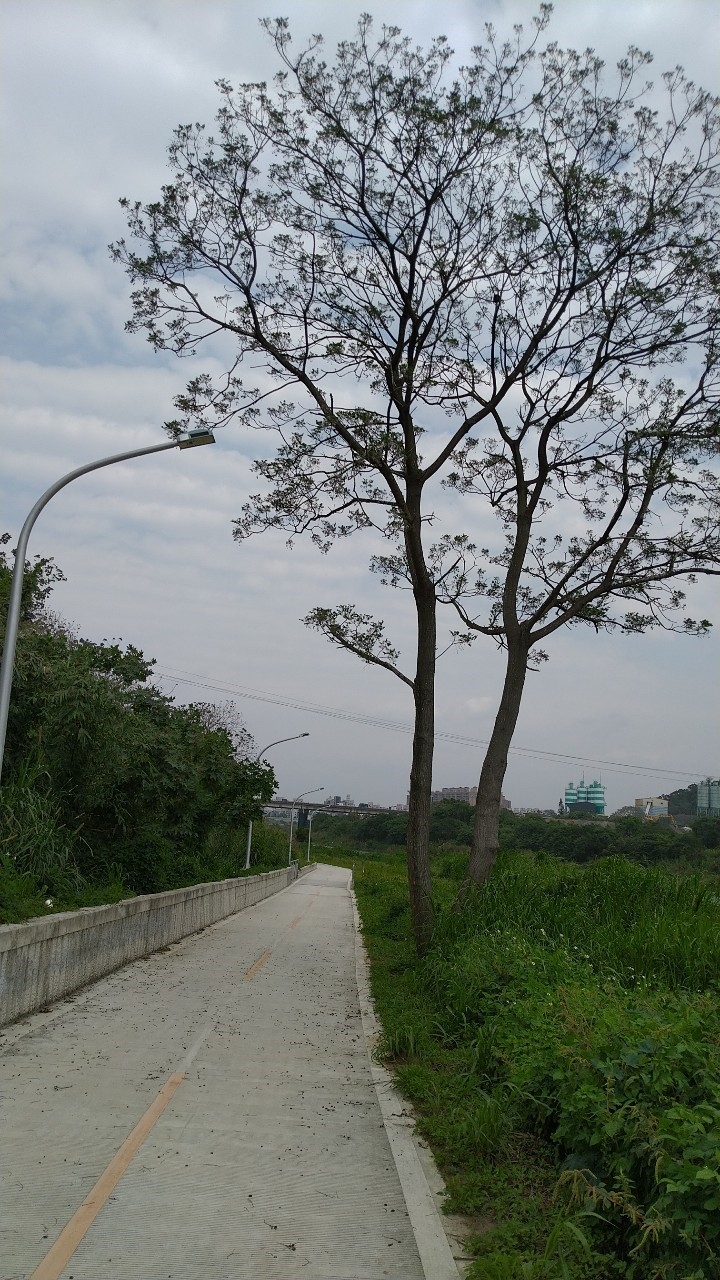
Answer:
(499, 280)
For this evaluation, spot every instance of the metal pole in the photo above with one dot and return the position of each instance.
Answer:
(258, 757)
(312, 792)
(13, 616)
(314, 814)
(292, 819)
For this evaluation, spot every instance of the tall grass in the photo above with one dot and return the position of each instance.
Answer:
(561, 1043)
(33, 837)
(638, 925)
(270, 848)
(38, 855)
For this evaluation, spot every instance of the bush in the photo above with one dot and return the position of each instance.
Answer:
(148, 862)
(707, 831)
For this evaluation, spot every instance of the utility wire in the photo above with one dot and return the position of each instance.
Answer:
(258, 695)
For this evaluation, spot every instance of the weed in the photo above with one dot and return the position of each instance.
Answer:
(561, 1045)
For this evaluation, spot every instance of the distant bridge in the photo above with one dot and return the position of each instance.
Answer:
(303, 811)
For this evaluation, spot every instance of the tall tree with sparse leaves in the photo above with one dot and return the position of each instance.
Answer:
(499, 278)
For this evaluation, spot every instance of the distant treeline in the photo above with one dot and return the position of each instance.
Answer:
(452, 820)
(683, 801)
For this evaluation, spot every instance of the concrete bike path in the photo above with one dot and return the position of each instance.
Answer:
(206, 1112)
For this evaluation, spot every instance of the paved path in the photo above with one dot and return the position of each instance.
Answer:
(260, 1151)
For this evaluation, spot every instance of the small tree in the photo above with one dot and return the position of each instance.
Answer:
(227, 718)
(512, 265)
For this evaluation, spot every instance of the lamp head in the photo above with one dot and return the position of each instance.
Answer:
(194, 437)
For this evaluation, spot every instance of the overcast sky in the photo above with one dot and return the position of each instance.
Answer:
(91, 94)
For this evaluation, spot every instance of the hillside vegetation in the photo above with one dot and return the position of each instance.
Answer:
(109, 788)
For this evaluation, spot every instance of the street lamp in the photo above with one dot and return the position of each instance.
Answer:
(258, 757)
(312, 815)
(188, 440)
(292, 814)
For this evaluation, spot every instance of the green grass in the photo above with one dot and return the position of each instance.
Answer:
(561, 1045)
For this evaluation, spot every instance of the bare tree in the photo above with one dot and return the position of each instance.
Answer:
(487, 278)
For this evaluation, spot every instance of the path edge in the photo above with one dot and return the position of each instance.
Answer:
(433, 1245)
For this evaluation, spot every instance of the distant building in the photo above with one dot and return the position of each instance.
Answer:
(708, 798)
(585, 797)
(658, 807)
(468, 794)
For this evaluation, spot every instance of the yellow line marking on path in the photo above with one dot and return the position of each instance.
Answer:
(266, 954)
(299, 918)
(54, 1263)
(251, 973)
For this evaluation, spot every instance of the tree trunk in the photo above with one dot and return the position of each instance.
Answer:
(487, 806)
(418, 830)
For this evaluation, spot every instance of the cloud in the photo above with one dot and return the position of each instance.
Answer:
(91, 95)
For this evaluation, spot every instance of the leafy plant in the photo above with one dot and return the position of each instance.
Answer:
(569, 1094)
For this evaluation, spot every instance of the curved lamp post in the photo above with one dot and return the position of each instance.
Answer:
(292, 815)
(189, 440)
(258, 758)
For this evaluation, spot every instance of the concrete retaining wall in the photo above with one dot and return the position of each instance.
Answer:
(49, 957)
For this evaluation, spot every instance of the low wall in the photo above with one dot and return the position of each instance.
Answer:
(44, 959)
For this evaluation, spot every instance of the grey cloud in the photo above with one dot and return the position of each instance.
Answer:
(91, 95)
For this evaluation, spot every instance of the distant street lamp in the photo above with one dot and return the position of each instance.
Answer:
(258, 758)
(292, 814)
(312, 815)
(188, 440)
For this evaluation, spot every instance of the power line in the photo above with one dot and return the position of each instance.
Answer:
(258, 695)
